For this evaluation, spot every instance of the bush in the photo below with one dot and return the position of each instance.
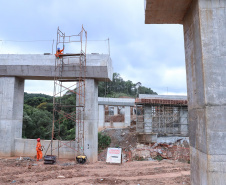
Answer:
(137, 158)
(103, 141)
(158, 158)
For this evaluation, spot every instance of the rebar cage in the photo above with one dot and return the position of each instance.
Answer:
(165, 120)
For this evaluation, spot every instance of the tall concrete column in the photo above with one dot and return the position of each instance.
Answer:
(147, 119)
(90, 120)
(183, 127)
(115, 110)
(127, 116)
(205, 50)
(11, 113)
(101, 117)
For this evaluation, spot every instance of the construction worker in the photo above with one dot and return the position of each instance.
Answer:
(39, 150)
(59, 51)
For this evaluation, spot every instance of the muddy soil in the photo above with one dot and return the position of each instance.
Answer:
(166, 172)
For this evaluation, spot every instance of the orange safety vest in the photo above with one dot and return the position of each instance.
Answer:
(58, 53)
(38, 147)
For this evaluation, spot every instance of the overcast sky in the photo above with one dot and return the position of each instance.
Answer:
(150, 54)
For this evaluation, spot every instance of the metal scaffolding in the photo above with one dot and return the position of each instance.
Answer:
(71, 111)
(166, 118)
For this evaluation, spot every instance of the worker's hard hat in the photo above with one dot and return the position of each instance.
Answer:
(58, 48)
(38, 139)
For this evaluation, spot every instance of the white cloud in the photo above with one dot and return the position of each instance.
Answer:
(39, 86)
(150, 54)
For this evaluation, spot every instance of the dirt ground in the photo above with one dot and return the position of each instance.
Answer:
(165, 172)
(14, 171)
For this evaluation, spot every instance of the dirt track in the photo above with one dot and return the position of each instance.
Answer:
(136, 172)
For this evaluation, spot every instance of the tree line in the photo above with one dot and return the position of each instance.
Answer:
(119, 87)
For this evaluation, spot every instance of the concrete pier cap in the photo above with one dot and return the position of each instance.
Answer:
(42, 67)
(166, 11)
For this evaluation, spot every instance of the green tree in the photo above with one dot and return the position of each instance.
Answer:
(118, 86)
(103, 141)
(64, 127)
(36, 123)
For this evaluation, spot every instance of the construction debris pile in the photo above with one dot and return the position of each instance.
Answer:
(175, 148)
(175, 151)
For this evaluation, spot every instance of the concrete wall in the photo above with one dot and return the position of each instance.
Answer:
(27, 147)
(11, 113)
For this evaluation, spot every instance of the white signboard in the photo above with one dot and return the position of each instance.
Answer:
(114, 155)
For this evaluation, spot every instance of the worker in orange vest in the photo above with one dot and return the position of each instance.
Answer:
(59, 51)
(39, 150)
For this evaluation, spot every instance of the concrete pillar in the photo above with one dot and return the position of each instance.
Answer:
(11, 113)
(127, 116)
(101, 117)
(205, 50)
(90, 120)
(147, 119)
(115, 110)
(183, 128)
